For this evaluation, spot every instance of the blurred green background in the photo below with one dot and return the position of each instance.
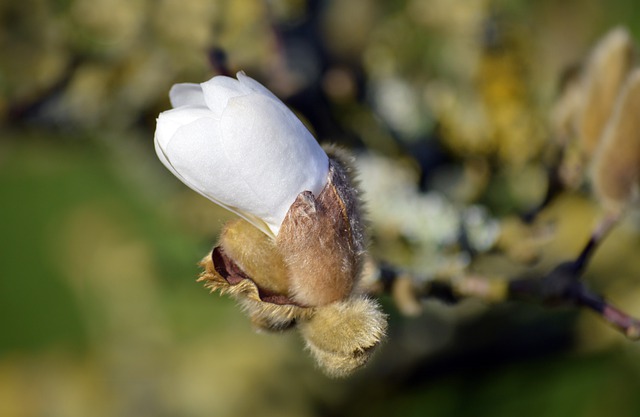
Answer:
(99, 309)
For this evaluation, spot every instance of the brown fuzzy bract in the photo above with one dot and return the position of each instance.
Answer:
(322, 242)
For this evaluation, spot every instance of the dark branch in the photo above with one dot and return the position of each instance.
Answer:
(560, 287)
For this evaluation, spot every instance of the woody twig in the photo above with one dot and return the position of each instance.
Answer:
(562, 286)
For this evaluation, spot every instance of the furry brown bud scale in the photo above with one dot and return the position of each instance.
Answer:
(321, 241)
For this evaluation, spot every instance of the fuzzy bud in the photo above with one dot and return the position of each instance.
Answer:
(604, 73)
(341, 336)
(586, 103)
(616, 166)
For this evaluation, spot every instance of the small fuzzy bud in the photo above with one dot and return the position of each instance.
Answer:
(342, 336)
(605, 71)
(616, 166)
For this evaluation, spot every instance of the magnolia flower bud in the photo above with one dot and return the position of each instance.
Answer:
(235, 143)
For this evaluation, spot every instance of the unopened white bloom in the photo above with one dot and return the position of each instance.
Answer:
(237, 144)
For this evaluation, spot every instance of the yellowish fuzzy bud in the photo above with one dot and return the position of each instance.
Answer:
(605, 72)
(616, 166)
(342, 335)
(586, 103)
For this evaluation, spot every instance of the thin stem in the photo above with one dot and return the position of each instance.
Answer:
(599, 233)
(554, 188)
(611, 314)
(558, 287)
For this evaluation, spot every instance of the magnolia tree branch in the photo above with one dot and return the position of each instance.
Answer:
(560, 287)
(563, 286)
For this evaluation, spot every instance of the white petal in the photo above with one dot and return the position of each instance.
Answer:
(186, 94)
(165, 161)
(218, 90)
(196, 154)
(171, 120)
(273, 153)
(167, 125)
(255, 86)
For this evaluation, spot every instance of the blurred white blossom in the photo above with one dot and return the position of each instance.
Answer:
(428, 220)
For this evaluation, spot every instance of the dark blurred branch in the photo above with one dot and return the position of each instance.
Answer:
(219, 61)
(560, 287)
(554, 189)
(29, 108)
